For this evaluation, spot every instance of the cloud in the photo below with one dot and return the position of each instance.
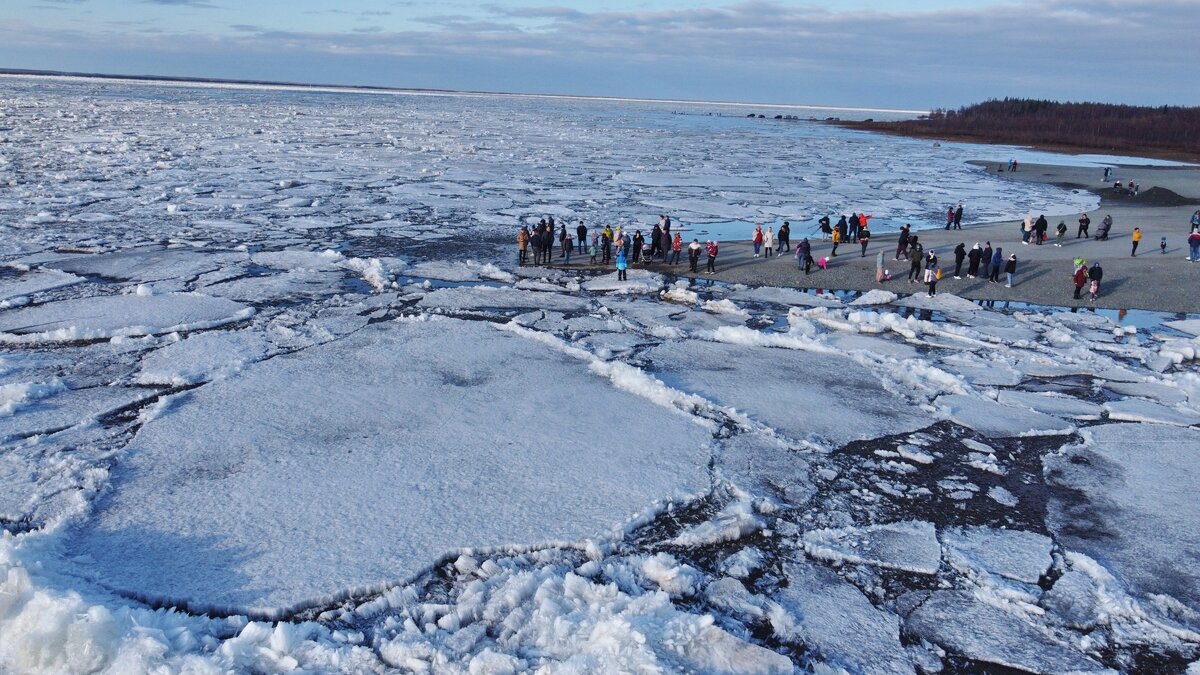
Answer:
(182, 3)
(1067, 49)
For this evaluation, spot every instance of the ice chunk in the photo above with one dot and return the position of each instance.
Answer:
(773, 385)
(1163, 393)
(1189, 326)
(783, 296)
(13, 291)
(124, 315)
(201, 358)
(66, 409)
(1051, 404)
(960, 623)
(996, 420)
(150, 264)
(911, 546)
(764, 466)
(486, 297)
(1138, 410)
(946, 302)
(1015, 554)
(1129, 497)
(835, 620)
(283, 493)
(876, 296)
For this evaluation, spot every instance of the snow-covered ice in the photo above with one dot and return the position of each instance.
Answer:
(1128, 497)
(119, 315)
(292, 496)
(276, 353)
(908, 546)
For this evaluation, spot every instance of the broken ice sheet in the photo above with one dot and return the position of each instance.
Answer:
(431, 479)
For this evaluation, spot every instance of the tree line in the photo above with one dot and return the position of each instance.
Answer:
(1167, 131)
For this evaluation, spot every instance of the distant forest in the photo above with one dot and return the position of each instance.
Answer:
(1169, 131)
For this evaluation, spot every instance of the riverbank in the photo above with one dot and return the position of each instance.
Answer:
(1152, 280)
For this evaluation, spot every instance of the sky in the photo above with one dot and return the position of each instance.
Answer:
(916, 54)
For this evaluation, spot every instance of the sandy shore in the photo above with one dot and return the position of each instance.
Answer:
(1152, 280)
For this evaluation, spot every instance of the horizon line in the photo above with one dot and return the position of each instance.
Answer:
(230, 83)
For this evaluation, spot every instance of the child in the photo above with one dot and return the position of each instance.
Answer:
(823, 263)
(1162, 245)
(1095, 289)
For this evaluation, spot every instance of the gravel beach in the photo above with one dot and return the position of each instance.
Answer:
(1152, 280)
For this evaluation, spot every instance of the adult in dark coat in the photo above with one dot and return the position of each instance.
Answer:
(960, 254)
(804, 254)
(973, 257)
(785, 235)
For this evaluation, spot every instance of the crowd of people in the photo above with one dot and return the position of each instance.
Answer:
(622, 248)
(618, 246)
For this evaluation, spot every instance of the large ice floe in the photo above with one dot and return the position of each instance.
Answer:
(275, 397)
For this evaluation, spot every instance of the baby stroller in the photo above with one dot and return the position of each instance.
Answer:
(644, 260)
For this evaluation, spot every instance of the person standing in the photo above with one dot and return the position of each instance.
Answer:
(1194, 245)
(568, 247)
(562, 239)
(1080, 278)
(667, 245)
(949, 218)
(997, 260)
(711, 249)
(522, 244)
(841, 227)
(914, 267)
(826, 230)
(1061, 230)
(757, 239)
(1040, 227)
(837, 239)
(973, 257)
(606, 240)
(769, 243)
(1010, 268)
(694, 256)
(656, 242)
(547, 244)
(676, 248)
(931, 278)
(1095, 274)
(851, 232)
(1084, 223)
(864, 238)
(594, 249)
(581, 236)
(785, 237)
(902, 243)
(1027, 230)
(1137, 239)
(622, 264)
(960, 254)
(804, 255)
(986, 258)
(1105, 226)
(931, 259)
(958, 214)
(638, 242)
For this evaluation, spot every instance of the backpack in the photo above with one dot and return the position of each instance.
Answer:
(938, 274)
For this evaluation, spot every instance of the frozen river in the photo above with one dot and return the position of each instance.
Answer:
(273, 397)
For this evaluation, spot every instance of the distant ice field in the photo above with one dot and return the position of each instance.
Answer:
(168, 159)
